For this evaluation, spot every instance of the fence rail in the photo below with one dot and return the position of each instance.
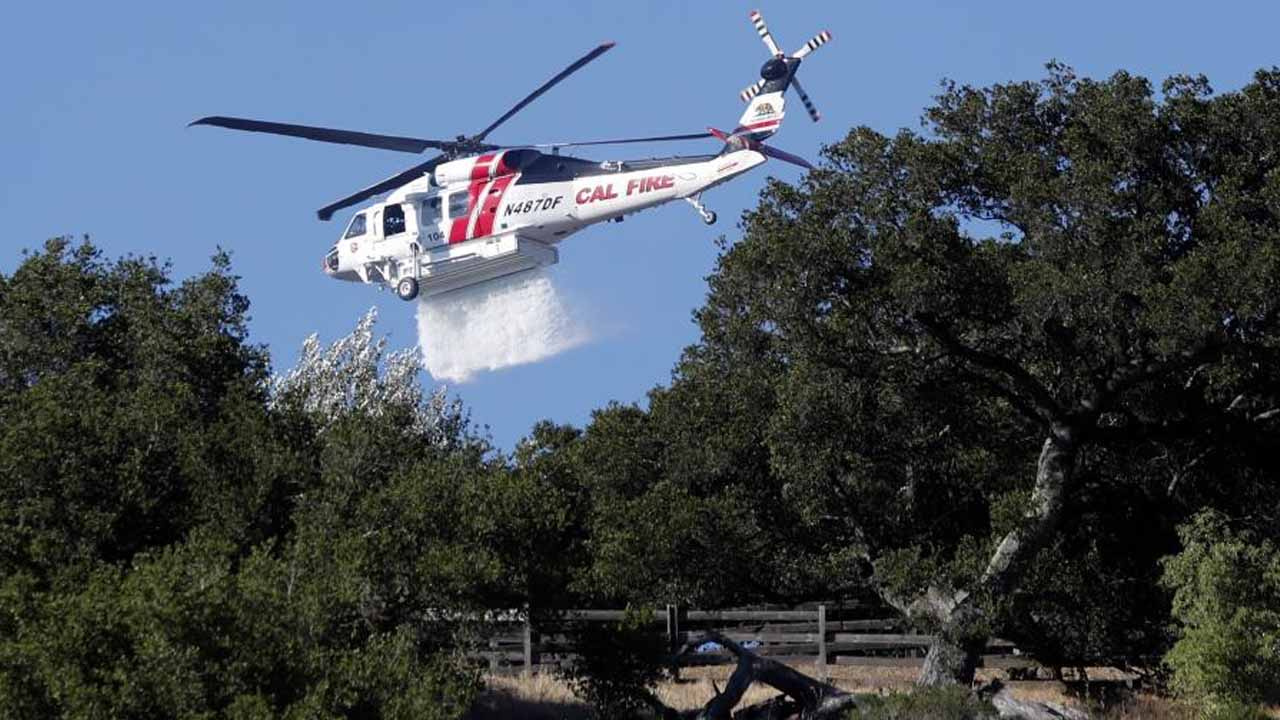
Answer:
(822, 635)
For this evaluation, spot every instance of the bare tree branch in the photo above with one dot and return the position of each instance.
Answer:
(1180, 474)
(1130, 374)
(1036, 395)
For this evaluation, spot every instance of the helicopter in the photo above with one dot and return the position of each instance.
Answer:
(478, 211)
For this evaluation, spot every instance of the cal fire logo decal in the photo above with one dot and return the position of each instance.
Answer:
(764, 109)
(634, 187)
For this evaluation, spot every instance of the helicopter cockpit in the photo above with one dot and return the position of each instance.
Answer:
(370, 228)
(356, 229)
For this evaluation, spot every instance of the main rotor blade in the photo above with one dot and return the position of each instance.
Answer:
(390, 183)
(758, 20)
(804, 98)
(597, 52)
(752, 90)
(344, 137)
(624, 141)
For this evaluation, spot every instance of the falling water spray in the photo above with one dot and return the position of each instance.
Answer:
(510, 321)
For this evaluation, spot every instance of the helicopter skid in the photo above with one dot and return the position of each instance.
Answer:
(453, 267)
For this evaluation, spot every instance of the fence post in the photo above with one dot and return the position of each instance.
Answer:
(528, 646)
(673, 639)
(673, 628)
(822, 643)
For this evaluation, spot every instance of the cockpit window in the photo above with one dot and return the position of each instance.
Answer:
(356, 228)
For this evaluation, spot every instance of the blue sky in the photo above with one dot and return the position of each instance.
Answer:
(96, 98)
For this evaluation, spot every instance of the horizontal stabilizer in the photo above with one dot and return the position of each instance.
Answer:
(746, 143)
(784, 156)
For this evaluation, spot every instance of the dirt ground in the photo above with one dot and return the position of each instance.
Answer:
(546, 697)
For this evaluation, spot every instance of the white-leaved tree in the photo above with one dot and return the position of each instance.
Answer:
(356, 373)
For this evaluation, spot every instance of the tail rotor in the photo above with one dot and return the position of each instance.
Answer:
(804, 98)
(816, 42)
(752, 90)
(776, 75)
(758, 20)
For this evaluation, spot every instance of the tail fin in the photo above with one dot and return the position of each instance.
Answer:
(762, 117)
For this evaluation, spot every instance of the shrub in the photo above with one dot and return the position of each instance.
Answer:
(619, 664)
(1226, 605)
(935, 703)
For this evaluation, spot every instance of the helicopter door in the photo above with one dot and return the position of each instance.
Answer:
(392, 220)
(432, 232)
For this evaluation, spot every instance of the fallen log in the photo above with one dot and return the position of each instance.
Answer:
(804, 698)
(1009, 707)
(801, 696)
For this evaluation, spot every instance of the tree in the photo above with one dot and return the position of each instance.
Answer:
(951, 364)
(130, 412)
(178, 540)
(357, 374)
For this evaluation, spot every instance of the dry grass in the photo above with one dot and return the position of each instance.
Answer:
(546, 697)
(539, 697)
(1147, 707)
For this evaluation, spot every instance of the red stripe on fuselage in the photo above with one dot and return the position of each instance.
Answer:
(458, 229)
(480, 171)
(484, 224)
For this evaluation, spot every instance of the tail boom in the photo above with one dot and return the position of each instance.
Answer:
(740, 141)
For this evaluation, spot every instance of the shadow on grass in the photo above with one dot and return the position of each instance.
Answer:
(505, 703)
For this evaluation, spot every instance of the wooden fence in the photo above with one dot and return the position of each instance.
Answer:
(822, 635)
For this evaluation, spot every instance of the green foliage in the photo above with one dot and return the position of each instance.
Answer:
(1226, 585)
(619, 664)
(183, 633)
(178, 542)
(531, 515)
(944, 703)
(1233, 710)
(129, 411)
(886, 350)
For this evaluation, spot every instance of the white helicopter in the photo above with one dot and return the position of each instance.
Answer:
(479, 211)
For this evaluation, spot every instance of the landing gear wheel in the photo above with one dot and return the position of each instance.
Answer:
(709, 218)
(407, 289)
